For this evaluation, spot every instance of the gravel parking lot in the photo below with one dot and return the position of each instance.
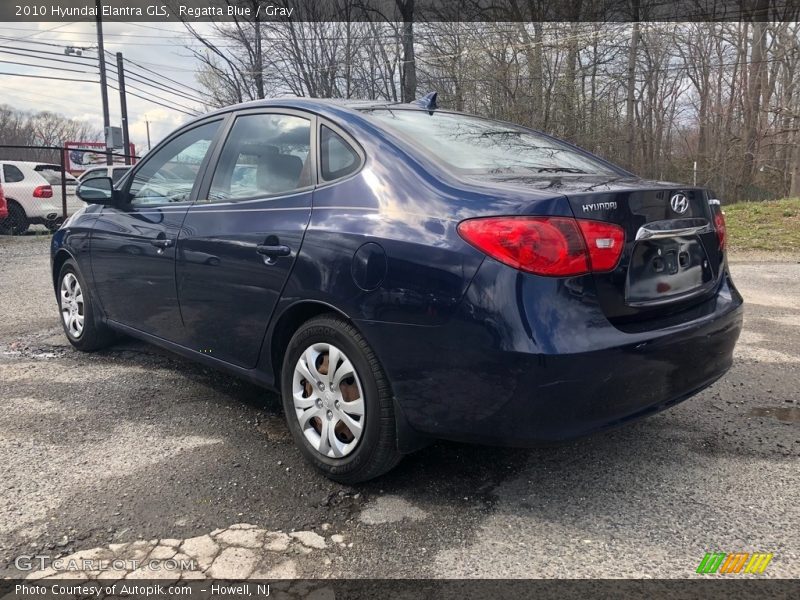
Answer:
(135, 451)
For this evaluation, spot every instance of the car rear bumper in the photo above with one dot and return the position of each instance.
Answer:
(51, 209)
(484, 379)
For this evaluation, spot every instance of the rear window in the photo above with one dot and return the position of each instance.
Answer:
(52, 173)
(475, 145)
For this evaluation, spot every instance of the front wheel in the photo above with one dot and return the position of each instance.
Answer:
(338, 402)
(75, 304)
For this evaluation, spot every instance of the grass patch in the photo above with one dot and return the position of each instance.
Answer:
(772, 226)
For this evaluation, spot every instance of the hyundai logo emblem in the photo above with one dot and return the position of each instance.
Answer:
(679, 203)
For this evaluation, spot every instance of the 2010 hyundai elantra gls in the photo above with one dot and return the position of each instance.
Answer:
(402, 273)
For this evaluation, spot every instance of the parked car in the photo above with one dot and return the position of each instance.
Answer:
(3, 204)
(402, 273)
(33, 194)
(115, 172)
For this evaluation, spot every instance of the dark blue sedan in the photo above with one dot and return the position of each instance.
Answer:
(403, 273)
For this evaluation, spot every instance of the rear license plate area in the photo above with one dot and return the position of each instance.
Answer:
(666, 270)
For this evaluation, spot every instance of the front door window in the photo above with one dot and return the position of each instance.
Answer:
(169, 175)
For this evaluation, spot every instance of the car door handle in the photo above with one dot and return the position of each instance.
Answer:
(272, 251)
(161, 243)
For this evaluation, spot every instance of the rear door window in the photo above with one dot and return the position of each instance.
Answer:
(12, 174)
(264, 155)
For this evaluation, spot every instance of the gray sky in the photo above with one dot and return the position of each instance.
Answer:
(157, 46)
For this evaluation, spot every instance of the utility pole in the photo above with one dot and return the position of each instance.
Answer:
(123, 107)
(147, 123)
(103, 87)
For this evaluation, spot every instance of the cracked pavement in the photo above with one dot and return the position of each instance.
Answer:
(133, 450)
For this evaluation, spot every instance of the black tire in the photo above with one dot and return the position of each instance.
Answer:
(376, 451)
(95, 334)
(16, 223)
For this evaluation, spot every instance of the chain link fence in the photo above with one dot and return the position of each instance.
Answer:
(39, 184)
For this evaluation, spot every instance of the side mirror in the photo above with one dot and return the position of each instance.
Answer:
(96, 190)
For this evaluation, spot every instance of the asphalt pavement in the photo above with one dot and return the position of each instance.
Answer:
(132, 448)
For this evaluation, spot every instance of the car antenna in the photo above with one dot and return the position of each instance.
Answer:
(428, 101)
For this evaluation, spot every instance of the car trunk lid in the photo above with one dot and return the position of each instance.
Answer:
(672, 257)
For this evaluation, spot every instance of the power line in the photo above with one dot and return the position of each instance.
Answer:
(191, 114)
(165, 77)
(154, 84)
(48, 77)
(159, 86)
(168, 79)
(40, 31)
(11, 39)
(188, 108)
(163, 88)
(24, 64)
(47, 52)
(61, 60)
(45, 55)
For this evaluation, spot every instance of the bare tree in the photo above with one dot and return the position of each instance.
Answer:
(658, 97)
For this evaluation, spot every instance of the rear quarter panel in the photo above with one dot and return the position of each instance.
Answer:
(410, 208)
(405, 211)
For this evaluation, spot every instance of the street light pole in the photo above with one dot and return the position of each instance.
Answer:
(103, 85)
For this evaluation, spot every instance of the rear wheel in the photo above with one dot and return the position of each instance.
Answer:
(337, 401)
(16, 223)
(75, 304)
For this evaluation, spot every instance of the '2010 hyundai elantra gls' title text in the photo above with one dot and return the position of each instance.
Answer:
(402, 273)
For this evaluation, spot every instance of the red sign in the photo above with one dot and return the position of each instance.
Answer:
(84, 155)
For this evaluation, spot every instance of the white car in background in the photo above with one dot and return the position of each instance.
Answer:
(115, 172)
(33, 194)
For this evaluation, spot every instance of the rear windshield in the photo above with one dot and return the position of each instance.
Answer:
(474, 145)
(52, 173)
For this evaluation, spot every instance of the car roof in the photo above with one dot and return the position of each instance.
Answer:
(328, 107)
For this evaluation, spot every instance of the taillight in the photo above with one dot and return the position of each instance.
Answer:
(551, 246)
(2, 196)
(604, 242)
(43, 191)
(719, 225)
